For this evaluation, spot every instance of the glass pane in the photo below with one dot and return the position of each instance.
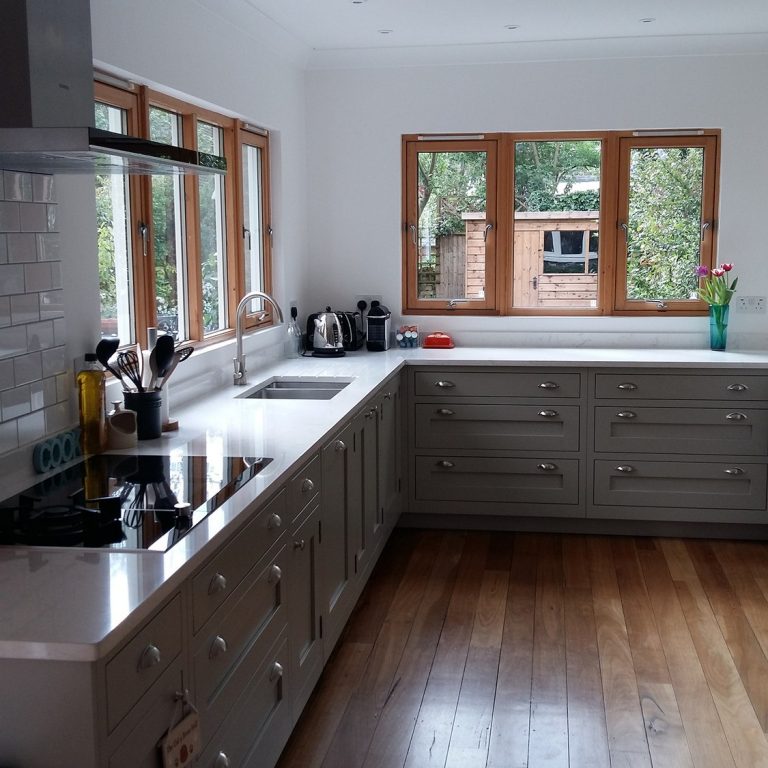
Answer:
(252, 218)
(168, 231)
(557, 212)
(664, 222)
(451, 228)
(113, 235)
(210, 138)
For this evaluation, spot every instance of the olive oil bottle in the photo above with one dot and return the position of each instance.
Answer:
(92, 401)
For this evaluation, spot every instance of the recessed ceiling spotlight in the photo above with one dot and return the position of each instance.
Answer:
(385, 31)
(647, 20)
(359, 2)
(511, 26)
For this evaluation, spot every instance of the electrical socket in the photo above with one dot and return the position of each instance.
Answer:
(367, 299)
(753, 305)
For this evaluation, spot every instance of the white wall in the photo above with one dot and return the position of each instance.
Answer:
(356, 118)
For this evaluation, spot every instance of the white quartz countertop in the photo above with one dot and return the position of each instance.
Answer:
(79, 604)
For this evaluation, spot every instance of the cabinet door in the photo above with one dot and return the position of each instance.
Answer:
(389, 455)
(304, 641)
(371, 521)
(340, 532)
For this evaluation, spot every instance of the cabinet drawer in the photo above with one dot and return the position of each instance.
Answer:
(497, 427)
(251, 623)
(257, 729)
(699, 485)
(528, 384)
(680, 386)
(216, 581)
(471, 478)
(142, 661)
(724, 431)
(303, 487)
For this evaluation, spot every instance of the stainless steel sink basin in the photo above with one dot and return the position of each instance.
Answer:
(284, 388)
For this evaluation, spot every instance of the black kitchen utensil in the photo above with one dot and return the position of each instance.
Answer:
(104, 350)
(164, 352)
(179, 356)
(130, 368)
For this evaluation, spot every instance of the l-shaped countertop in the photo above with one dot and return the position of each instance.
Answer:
(78, 604)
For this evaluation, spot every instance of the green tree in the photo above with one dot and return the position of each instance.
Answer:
(664, 223)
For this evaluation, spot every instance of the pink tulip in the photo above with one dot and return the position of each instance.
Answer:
(717, 272)
(726, 267)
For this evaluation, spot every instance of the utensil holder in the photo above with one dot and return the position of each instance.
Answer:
(148, 408)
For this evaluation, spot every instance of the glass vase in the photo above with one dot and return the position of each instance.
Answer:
(718, 326)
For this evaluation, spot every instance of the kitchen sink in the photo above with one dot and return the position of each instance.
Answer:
(284, 388)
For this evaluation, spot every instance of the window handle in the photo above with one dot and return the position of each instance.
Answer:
(705, 225)
(623, 225)
(488, 227)
(144, 235)
(412, 227)
(247, 237)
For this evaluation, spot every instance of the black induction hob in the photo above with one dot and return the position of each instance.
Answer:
(124, 502)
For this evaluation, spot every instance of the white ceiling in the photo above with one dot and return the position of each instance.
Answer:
(328, 25)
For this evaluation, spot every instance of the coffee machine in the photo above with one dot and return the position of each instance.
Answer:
(378, 320)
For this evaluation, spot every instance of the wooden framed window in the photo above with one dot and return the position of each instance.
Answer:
(577, 223)
(667, 198)
(172, 249)
(450, 224)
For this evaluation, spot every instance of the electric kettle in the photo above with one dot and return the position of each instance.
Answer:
(326, 337)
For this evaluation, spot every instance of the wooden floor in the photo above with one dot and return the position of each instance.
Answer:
(535, 650)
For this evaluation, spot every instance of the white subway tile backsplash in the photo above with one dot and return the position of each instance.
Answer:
(64, 387)
(22, 246)
(48, 246)
(3, 249)
(34, 217)
(43, 188)
(25, 308)
(41, 335)
(36, 396)
(52, 226)
(2, 188)
(6, 374)
(13, 341)
(54, 361)
(56, 281)
(9, 439)
(49, 391)
(27, 368)
(10, 218)
(5, 311)
(59, 331)
(18, 185)
(31, 428)
(15, 402)
(11, 278)
(58, 418)
(37, 277)
(51, 305)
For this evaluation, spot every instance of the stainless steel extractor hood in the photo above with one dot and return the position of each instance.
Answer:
(47, 106)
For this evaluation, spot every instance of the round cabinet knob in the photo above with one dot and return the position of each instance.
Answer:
(734, 471)
(276, 672)
(445, 384)
(275, 574)
(625, 468)
(221, 761)
(546, 467)
(626, 415)
(549, 385)
(339, 445)
(444, 412)
(627, 386)
(299, 544)
(370, 414)
(548, 414)
(445, 464)
(275, 521)
(737, 387)
(218, 647)
(150, 657)
(737, 416)
(307, 485)
(218, 584)
(388, 396)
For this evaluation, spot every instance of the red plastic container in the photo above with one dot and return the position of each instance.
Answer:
(438, 341)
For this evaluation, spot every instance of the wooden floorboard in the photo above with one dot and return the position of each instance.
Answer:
(524, 650)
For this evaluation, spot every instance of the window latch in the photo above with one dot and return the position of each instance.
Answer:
(144, 234)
